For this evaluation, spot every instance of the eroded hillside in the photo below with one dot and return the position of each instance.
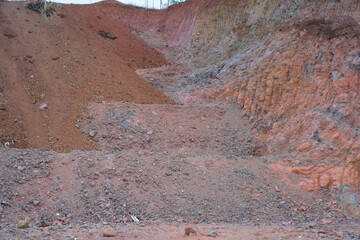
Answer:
(263, 142)
(293, 69)
(61, 63)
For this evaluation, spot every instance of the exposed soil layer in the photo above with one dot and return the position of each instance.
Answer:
(293, 68)
(167, 231)
(51, 68)
(265, 146)
(180, 167)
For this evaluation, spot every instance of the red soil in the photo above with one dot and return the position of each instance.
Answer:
(270, 152)
(63, 62)
(294, 70)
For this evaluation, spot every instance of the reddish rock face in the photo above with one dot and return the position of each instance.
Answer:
(301, 78)
(293, 68)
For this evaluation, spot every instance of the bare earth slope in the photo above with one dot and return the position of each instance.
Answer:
(293, 68)
(265, 145)
(63, 62)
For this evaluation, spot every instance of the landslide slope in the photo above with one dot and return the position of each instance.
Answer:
(63, 62)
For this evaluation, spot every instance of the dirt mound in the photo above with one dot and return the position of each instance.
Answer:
(161, 169)
(51, 68)
(155, 171)
(157, 128)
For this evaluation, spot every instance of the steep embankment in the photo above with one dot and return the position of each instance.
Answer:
(294, 69)
(166, 30)
(61, 63)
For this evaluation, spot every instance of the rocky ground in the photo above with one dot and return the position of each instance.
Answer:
(262, 143)
(180, 168)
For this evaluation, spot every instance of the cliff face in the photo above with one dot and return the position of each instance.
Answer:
(294, 69)
(295, 75)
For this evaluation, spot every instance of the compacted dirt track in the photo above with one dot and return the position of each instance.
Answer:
(87, 144)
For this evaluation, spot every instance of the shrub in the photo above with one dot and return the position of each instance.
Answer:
(42, 7)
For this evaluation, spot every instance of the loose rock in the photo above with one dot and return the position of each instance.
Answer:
(23, 224)
(92, 133)
(190, 231)
(213, 234)
(69, 237)
(109, 232)
(43, 107)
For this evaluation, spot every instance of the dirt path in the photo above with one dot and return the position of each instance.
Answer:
(166, 231)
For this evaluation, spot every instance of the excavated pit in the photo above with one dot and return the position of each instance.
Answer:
(239, 117)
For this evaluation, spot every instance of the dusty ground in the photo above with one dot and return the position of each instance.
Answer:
(183, 166)
(63, 62)
(263, 144)
(176, 231)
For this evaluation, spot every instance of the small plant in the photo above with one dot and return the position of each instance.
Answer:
(42, 7)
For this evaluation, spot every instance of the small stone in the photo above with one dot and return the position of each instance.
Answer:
(92, 133)
(213, 234)
(35, 202)
(304, 146)
(109, 232)
(43, 107)
(189, 231)
(287, 223)
(23, 224)
(340, 234)
(5, 203)
(69, 237)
